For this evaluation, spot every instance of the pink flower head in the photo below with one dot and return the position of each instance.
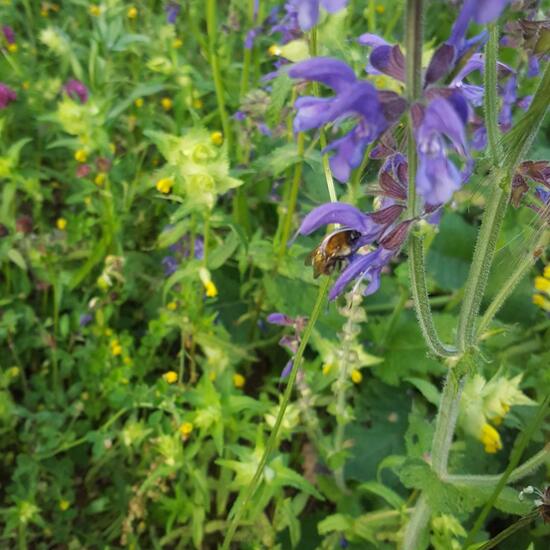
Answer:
(7, 95)
(76, 90)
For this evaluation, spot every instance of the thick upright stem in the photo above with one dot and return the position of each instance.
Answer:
(417, 267)
(496, 205)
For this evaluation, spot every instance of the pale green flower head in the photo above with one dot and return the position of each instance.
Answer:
(83, 120)
(500, 394)
(56, 41)
(200, 168)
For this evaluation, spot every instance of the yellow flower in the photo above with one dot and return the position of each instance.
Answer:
(490, 439)
(12, 48)
(177, 43)
(216, 138)
(186, 428)
(356, 376)
(172, 306)
(26, 85)
(547, 271)
(327, 367)
(380, 9)
(171, 376)
(95, 11)
(116, 350)
(100, 179)
(64, 505)
(13, 372)
(80, 155)
(132, 12)
(274, 50)
(127, 360)
(541, 301)
(139, 102)
(166, 103)
(542, 284)
(239, 380)
(197, 103)
(210, 289)
(61, 224)
(108, 332)
(165, 185)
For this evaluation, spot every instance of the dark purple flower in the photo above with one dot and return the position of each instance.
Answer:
(384, 58)
(442, 128)
(289, 341)
(76, 90)
(9, 35)
(85, 319)
(172, 10)
(288, 368)
(7, 95)
(280, 319)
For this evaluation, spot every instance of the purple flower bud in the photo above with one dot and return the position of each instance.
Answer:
(76, 90)
(288, 368)
(172, 10)
(8, 34)
(280, 319)
(7, 95)
(85, 319)
(170, 265)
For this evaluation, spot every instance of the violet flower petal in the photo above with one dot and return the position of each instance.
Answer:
(329, 71)
(341, 213)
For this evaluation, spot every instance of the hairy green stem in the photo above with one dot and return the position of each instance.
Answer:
(417, 266)
(495, 209)
(481, 263)
(491, 94)
(515, 457)
(417, 523)
(445, 423)
(523, 267)
(211, 26)
(242, 501)
(527, 468)
(441, 444)
(509, 531)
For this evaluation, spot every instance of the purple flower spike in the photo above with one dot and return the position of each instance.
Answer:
(85, 319)
(76, 90)
(341, 213)
(9, 35)
(172, 10)
(437, 177)
(7, 95)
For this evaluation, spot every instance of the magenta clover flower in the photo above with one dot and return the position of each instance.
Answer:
(76, 90)
(353, 98)
(9, 34)
(7, 95)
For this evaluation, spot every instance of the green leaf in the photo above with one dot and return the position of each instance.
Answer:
(427, 389)
(390, 496)
(17, 258)
(450, 255)
(224, 251)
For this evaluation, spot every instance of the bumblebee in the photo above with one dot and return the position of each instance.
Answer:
(334, 248)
